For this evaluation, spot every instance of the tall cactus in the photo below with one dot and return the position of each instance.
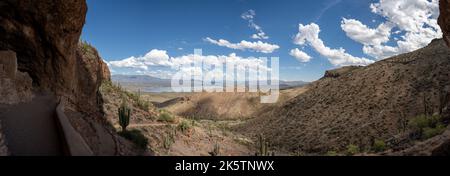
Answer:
(216, 150)
(124, 116)
(264, 147)
(139, 95)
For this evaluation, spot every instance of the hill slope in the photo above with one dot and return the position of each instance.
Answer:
(358, 105)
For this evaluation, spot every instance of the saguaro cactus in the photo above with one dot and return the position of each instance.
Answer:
(216, 150)
(124, 116)
(264, 147)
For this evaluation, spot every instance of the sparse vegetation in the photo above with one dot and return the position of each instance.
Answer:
(379, 146)
(430, 132)
(136, 97)
(166, 117)
(352, 150)
(169, 138)
(136, 137)
(108, 87)
(184, 126)
(332, 153)
(424, 127)
(87, 49)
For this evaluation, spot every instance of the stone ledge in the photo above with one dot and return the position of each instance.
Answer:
(75, 144)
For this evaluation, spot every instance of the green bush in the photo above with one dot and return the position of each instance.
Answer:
(184, 126)
(425, 127)
(136, 137)
(166, 117)
(419, 122)
(352, 150)
(143, 105)
(431, 132)
(379, 146)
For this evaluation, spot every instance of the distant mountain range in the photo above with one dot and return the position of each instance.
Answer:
(146, 82)
(141, 79)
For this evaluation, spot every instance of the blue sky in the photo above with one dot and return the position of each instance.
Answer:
(120, 29)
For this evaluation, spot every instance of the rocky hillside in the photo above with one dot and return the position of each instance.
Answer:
(358, 105)
(444, 19)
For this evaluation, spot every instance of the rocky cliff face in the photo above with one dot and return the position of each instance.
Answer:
(45, 35)
(444, 19)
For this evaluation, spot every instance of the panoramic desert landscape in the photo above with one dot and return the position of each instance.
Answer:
(57, 91)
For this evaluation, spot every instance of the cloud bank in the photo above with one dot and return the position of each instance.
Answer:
(309, 35)
(416, 20)
(159, 64)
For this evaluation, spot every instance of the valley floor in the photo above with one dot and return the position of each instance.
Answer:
(199, 123)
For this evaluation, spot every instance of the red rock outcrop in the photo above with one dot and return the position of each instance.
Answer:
(444, 19)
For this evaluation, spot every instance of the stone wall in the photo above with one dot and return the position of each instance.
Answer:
(15, 86)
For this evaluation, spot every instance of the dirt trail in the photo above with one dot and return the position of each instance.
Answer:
(30, 128)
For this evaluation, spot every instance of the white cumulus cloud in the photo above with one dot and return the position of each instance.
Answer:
(309, 35)
(158, 63)
(300, 55)
(258, 46)
(153, 58)
(415, 19)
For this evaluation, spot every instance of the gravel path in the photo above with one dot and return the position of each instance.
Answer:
(30, 128)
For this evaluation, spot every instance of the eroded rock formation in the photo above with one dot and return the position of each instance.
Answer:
(45, 35)
(444, 19)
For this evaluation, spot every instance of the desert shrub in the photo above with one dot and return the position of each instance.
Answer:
(184, 126)
(352, 150)
(142, 104)
(136, 137)
(166, 117)
(332, 153)
(169, 138)
(419, 122)
(379, 146)
(431, 132)
(425, 127)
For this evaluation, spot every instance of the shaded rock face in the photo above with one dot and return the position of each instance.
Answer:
(15, 86)
(45, 36)
(444, 19)
(91, 71)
